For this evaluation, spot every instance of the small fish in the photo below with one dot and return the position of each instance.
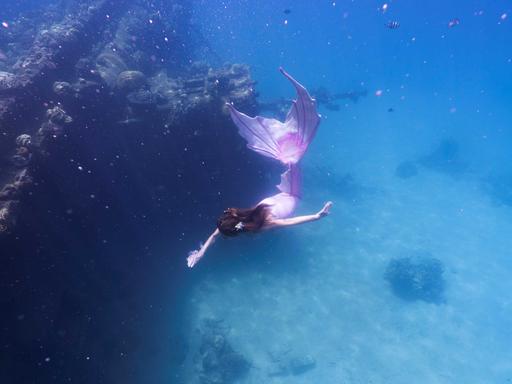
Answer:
(393, 24)
(453, 22)
(287, 11)
(391, 110)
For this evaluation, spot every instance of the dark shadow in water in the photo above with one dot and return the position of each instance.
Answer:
(444, 158)
(406, 170)
(417, 278)
(499, 188)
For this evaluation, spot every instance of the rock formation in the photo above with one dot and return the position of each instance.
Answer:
(112, 139)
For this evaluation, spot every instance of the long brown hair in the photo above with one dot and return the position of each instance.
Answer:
(238, 220)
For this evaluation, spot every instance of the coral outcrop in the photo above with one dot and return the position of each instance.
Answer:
(218, 363)
(417, 278)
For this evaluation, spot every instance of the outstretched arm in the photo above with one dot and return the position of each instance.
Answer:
(195, 256)
(301, 219)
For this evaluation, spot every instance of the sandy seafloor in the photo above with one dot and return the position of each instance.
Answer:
(319, 289)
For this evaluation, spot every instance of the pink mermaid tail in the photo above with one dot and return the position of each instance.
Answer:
(286, 142)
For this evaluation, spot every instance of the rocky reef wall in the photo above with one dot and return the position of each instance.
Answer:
(112, 139)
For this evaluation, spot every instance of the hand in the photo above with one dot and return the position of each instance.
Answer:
(193, 258)
(325, 210)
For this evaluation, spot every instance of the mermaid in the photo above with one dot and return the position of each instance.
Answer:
(286, 142)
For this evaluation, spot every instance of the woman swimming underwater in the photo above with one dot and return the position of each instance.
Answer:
(286, 142)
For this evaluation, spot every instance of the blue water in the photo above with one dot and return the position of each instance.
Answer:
(320, 290)
(408, 279)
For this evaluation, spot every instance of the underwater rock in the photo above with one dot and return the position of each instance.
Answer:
(24, 140)
(86, 68)
(198, 93)
(7, 216)
(9, 192)
(109, 65)
(13, 191)
(234, 81)
(21, 158)
(129, 81)
(88, 90)
(7, 82)
(406, 170)
(3, 220)
(79, 92)
(300, 365)
(62, 88)
(56, 44)
(416, 278)
(22, 180)
(219, 363)
(143, 97)
(54, 126)
(445, 159)
(285, 362)
(57, 115)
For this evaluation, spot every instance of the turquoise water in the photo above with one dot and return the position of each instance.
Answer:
(320, 290)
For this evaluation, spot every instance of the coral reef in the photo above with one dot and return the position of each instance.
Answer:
(218, 362)
(416, 278)
(130, 81)
(106, 132)
(140, 79)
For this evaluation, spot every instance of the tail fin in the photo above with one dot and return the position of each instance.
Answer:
(288, 141)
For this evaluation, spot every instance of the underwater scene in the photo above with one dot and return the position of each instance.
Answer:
(235, 191)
